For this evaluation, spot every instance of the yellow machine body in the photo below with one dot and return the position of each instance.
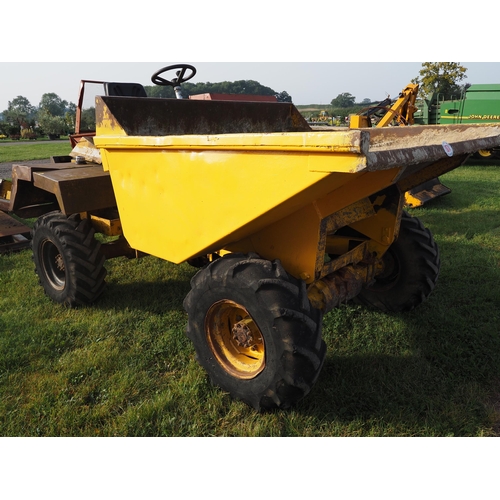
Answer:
(280, 194)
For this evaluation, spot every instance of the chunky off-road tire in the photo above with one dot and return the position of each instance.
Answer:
(67, 257)
(254, 331)
(411, 270)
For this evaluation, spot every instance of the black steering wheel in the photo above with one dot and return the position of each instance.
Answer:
(180, 78)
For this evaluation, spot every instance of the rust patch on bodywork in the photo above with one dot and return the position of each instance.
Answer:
(161, 117)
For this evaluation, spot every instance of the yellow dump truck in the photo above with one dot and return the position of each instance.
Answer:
(284, 222)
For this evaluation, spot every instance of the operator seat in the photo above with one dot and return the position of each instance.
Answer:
(124, 89)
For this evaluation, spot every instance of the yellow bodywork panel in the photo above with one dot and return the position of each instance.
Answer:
(5, 189)
(106, 226)
(359, 121)
(177, 204)
(189, 184)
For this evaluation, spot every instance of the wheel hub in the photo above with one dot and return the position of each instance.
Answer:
(235, 339)
(59, 262)
(53, 264)
(242, 333)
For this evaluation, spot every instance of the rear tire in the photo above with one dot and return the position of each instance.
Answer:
(411, 270)
(67, 257)
(254, 331)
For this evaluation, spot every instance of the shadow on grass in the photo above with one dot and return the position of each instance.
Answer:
(155, 297)
(442, 384)
(482, 163)
(460, 198)
(437, 382)
(431, 373)
(443, 367)
(391, 395)
(148, 284)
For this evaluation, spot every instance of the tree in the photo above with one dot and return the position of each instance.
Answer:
(160, 91)
(51, 114)
(238, 87)
(88, 118)
(52, 125)
(19, 112)
(70, 116)
(4, 127)
(53, 104)
(441, 78)
(344, 100)
(283, 96)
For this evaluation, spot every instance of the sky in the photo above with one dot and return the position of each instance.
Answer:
(321, 49)
(306, 82)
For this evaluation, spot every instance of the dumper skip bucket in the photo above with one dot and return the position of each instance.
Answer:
(193, 177)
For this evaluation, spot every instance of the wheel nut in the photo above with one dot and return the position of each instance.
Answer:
(60, 262)
(242, 333)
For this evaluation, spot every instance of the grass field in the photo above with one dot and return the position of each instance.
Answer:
(26, 151)
(124, 366)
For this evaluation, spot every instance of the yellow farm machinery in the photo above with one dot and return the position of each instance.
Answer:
(284, 222)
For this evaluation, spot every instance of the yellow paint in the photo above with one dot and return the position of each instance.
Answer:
(181, 196)
(338, 141)
(184, 196)
(108, 227)
(235, 339)
(5, 189)
(380, 228)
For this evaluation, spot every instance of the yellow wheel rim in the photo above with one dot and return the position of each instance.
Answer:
(485, 153)
(235, 339)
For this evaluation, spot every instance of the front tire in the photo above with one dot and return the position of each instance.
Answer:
(254, 331)
(67, 257)
(411, 270)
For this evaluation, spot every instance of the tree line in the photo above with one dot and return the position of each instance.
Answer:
(21, 119)
(55, 116)
(434, 78)
(442, 79)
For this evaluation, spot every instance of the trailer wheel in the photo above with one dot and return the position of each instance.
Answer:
(254, 331)
(411, 270)
(67, 257)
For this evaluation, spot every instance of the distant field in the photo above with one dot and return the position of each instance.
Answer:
(310, 107)
(124, 367)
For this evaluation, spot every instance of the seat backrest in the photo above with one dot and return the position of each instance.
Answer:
(124, 89)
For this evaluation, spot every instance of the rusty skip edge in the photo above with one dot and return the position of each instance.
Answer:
(356, 142)
(411, 152)
(423, 145)
(143, 123)
(175, 124)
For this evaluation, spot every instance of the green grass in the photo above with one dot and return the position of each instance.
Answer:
(124, 366)
(25, 151)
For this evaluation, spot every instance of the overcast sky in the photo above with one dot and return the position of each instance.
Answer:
(228, 41)
(307, 83)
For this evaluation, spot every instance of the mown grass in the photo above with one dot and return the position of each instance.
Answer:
(124, 366)
(26, 151)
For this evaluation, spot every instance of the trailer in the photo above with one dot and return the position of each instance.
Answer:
(284, 222)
